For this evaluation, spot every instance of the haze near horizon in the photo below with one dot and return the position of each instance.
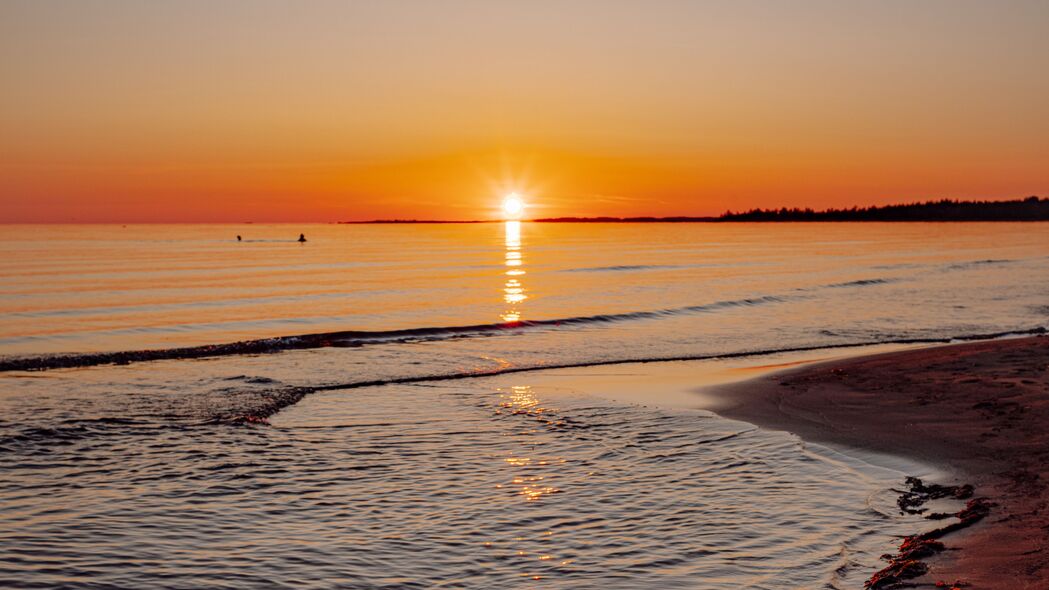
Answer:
(277, 111)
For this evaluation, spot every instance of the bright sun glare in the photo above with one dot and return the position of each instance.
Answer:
(513, 205)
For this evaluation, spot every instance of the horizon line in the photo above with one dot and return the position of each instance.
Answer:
(781, 214)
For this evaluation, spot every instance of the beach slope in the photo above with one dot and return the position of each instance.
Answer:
(980, 410)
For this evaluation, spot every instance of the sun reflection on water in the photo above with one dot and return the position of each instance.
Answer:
(532, 473)
(513, 290)
(528, 479)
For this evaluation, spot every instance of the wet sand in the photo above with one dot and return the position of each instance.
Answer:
(980, 410)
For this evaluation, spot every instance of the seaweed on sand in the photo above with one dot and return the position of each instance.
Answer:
(907, 563)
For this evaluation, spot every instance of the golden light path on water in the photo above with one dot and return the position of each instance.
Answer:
(528, 469)
(513, 291)
(521, 400)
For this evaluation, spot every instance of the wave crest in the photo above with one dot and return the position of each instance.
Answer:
(349, 339)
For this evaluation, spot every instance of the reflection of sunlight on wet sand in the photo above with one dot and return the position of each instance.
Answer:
(513, 290)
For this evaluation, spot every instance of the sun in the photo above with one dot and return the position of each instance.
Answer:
(513, 206)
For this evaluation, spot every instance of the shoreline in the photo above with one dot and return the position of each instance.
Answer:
(979, 410)
(859, 488)
(969, 413)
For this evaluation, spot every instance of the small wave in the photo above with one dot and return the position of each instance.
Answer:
(861, 283)
(899, 266)
(256, 406)
(979, 263)
(252, 379)
(348, 339)
(72, 431)
(624, 267)
(240, 302)
(277, 399)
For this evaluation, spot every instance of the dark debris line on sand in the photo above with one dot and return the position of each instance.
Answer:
(908, 563)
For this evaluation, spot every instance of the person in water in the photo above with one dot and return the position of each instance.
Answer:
(302, 238)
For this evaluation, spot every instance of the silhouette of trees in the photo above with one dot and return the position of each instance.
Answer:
(1029, 209)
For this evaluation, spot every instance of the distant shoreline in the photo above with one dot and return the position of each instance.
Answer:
(1030, 209)
(670, 220)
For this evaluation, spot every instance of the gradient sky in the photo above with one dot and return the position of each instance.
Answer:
(269, 111)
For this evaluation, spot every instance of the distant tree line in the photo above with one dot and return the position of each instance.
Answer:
(679, 219)
(1029, 209)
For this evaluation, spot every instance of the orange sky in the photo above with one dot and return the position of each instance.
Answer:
(289, 111)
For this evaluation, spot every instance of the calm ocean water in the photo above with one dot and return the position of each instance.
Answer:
(384, 467)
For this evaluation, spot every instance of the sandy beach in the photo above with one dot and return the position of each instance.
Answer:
(980, 410)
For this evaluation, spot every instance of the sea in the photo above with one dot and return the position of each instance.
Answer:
(222, 406)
